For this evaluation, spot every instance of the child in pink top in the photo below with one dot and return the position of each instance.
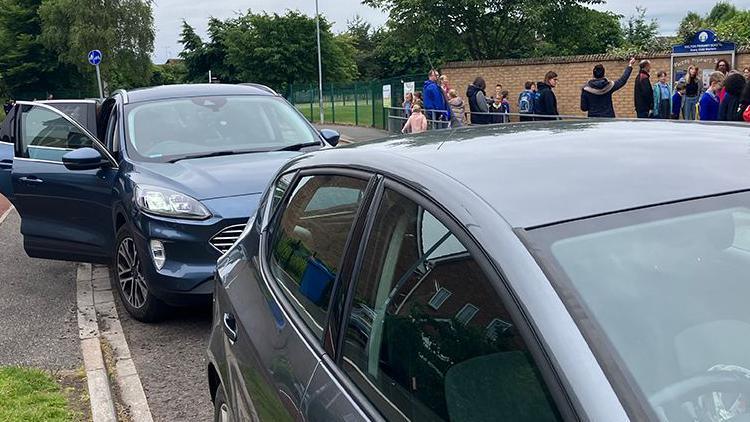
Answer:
(417, 122)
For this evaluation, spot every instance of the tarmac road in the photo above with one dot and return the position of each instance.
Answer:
(38, 323)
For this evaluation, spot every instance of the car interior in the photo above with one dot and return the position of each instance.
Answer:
(429, 332)
(671, 297)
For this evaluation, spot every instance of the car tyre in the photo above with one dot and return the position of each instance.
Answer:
(221, 407)
(127, 274)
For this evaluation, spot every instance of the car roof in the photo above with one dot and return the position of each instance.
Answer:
(194, 90)
(542, 173)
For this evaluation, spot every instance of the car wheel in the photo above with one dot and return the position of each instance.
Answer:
(221, 407)
(127, 273)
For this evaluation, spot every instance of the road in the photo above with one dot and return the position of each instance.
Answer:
(171, 360)
(38, 324)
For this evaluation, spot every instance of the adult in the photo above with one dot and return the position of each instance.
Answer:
(662, 97)
(444, 83)
(729, 109)
(708, 106)
(434, 98)
(692, 92)
(477, 98)
(547, 101)
(745, 103)
(723, 67)
(746, 72)
(526, 100)
(596, 95)
(644, 93)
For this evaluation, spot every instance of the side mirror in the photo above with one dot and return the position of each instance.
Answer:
(331, 136)
(83, 159)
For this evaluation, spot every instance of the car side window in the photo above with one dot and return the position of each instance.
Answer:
(428, 337)
(46, 135)
(309, 241)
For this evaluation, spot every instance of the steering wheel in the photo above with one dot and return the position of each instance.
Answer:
(722, 394)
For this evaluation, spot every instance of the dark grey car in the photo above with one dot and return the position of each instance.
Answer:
(552, 271)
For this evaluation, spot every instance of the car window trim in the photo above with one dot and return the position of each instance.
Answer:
(269, 232)
(95, 141)
(535, 345)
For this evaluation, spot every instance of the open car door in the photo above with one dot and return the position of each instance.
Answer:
(62, 180)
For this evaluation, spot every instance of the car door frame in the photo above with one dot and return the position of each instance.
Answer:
(19, 158)
(319, 347)
(551, 377)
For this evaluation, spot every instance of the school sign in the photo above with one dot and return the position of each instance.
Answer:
(703, 50)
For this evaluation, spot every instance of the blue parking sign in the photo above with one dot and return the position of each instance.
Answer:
(95, 57)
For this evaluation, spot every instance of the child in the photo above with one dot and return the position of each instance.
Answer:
(679, 92)
(408, 101)
(662, 97)
(505, 105)
(417, 122)
(458, 108)
(708, 106)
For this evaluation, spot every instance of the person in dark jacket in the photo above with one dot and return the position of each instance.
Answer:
(729, 109)
(644, 92)
(434, 98)
(547, 102)
(477, 98)
(596, 95)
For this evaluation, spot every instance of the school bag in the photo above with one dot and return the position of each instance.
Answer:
(526, 102)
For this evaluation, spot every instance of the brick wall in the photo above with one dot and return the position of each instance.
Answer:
(573, 72)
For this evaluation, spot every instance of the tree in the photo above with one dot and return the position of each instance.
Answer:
(168, 74)
(578, 29)
(444, 30)
(639, 31)
(725, 19)
(124, 32)
(276, 50)
(27, 68)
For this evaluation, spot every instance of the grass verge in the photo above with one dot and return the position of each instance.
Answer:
(28, 394)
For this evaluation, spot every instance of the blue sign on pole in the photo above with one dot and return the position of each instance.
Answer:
(704, 41)
(95, 57)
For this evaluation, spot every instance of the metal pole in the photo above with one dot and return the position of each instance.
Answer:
(209, 76)
(99, 81)
(320, 64)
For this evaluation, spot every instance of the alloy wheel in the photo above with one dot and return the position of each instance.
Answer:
(129, 275)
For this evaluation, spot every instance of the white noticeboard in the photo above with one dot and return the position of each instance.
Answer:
(408, 87)
(387, 95)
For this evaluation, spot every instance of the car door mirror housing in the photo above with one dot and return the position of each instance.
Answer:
(83, 159)
(331, 136)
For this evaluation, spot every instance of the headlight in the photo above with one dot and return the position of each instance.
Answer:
(166, 202)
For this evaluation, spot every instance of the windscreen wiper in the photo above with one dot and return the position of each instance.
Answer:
(297, 147)
(212, 154)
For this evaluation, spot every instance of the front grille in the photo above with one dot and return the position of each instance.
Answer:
(226, 238)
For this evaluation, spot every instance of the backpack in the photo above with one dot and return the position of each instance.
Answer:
(526, 102)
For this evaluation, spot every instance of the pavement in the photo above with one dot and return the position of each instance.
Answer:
(351, 134)
(38, 320)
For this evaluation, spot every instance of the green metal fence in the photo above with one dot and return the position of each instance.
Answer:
(355, 103)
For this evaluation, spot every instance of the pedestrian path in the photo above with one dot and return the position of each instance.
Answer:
(351, 134)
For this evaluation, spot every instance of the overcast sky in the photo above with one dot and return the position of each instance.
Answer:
(169, 14)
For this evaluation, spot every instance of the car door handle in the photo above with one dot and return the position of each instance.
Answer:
(230, 327)
(31, 180)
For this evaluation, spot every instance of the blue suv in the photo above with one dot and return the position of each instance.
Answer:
(158, 185)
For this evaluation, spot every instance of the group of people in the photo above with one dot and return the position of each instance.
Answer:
(727, 98)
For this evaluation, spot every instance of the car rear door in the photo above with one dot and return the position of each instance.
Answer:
(65, 214)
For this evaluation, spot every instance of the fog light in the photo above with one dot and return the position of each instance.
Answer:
(157, 252)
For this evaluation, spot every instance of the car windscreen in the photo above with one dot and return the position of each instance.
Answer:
(185, 127)
(662, 294)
